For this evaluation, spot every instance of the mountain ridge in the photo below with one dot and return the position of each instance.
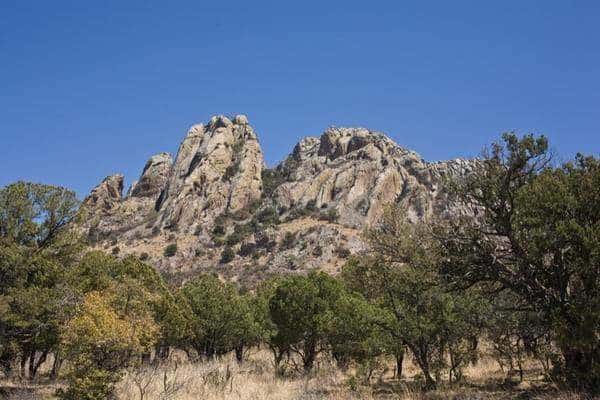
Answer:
(228, 212)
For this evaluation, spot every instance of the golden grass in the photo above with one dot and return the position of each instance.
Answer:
(255, 379)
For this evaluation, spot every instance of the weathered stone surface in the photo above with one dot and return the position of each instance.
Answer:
(217, 170)
(154, 176)
(357, 172)
(106, 195)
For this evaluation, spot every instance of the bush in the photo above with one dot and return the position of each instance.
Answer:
(288, 241)
(101, 340)
(218, 230)
(227, 255)
(343, 252)
(330, 216)
(268, 216)
(318, 251)
(296, 213)
(199, 252)
(271, 179)
(247, 249)
(170, 250)
(240, 232)
(311, 205)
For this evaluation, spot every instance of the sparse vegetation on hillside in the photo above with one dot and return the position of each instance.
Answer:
(170, 250)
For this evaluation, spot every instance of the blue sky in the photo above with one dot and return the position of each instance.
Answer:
(92, 88)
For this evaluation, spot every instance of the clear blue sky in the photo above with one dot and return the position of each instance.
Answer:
(88, 88)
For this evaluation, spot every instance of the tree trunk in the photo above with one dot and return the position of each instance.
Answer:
(421, 358)
(34, 364)
(24, 358)
(399, 363)
(310, 353)
(239, 353)
(56, 366)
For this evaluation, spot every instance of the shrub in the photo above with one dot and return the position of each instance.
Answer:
(343, 252)
(170, 250)
(227, 255)
(318, 251)
(296, 213)
(288, 240)
(247, 249)
(240, 232)
(101, 340)
(218, 230)
(330, 216)
(268, 216)
(231, 171)
(271, 179)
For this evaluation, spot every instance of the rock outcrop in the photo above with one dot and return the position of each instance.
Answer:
(107, 195)
(356, 172)
(217, 170)
(304, 214)
(154, 177)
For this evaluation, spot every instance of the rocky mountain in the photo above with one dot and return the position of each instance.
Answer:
(227, 212)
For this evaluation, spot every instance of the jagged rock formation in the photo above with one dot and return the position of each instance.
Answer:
(106, 195)
(306, 213)
(154, 177)
(357, 172)
(217, 170)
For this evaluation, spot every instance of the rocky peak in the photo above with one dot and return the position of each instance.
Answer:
(306, 148)
(217, 169)
(106, 195)
(337, 142)
(154, 176)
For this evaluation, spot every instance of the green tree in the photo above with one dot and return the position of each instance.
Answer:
(536, 233)
(401, 276)
(354, 334)
(302, 311)
(37, 246)
(223, 320)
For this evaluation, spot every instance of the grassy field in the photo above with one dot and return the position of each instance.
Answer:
(255, 379)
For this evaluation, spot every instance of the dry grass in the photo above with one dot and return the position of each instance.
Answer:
(255, 379)
(226, 379)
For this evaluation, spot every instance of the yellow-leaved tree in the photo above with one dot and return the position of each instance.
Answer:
(110, 330)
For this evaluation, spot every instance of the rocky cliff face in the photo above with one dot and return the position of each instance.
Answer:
(227, 212)
(154, 177)
(356, 172)
(217, 170)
